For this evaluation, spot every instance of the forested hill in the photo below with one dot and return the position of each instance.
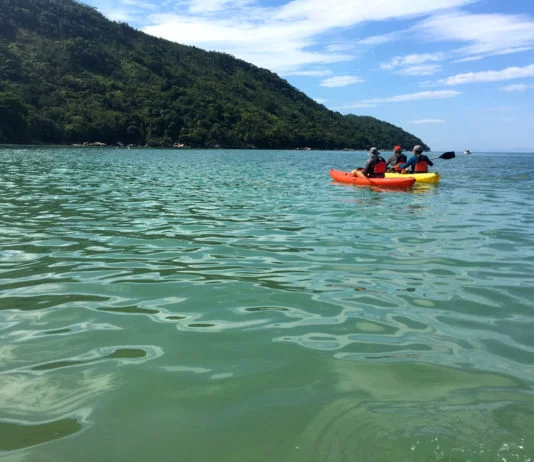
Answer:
(69, 75)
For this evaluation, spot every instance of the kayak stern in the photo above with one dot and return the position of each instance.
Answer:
(430, 177)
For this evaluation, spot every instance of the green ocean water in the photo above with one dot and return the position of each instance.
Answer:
(190, 305)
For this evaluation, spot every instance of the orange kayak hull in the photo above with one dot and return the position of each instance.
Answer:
(361, 180)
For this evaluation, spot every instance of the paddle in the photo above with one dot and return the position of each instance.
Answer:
(445, 156)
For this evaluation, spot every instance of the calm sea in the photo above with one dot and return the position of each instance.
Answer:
(238, 306)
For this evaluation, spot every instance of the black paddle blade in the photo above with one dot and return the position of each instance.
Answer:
(447, 155)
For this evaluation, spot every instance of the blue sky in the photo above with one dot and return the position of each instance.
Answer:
(457, 73)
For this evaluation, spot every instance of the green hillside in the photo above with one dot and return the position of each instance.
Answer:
(69, 75)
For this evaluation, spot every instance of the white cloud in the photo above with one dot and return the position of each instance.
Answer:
(519, 87)
(129, 11)
(479, 35)
(119, 14)
(344, 13)
(423, 95)
(283, 38)
(427, 121)
(317, 73)
(212, 6)
(337, 47)
(376, 40)
(276, 47)
(414, 64)
(139, 4)
(411, 60)
(293, 35)
(486, 34)
(509, 73)
(420, 70)
(508, 51)
(341, 81)
(320, 100)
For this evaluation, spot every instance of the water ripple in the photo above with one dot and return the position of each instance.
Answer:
(366, 324)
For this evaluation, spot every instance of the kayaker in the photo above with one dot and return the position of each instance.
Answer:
(418, 163)
(375, 166)
(396, 159)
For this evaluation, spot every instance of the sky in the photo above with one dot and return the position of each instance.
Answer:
(459, 74)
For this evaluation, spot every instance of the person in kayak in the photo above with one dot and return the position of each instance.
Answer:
(396, 159)
(418, 163)
(375, 167)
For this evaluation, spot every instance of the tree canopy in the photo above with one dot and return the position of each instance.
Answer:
(69, 75)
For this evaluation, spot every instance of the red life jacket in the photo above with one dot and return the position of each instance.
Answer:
(421, 166)
(380, 167)
(397, 167)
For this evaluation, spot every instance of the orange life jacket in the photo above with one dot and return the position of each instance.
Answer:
(421, 166)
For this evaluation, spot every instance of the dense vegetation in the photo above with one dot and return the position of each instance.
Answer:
(69, 75)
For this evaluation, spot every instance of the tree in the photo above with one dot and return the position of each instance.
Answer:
(13, 119)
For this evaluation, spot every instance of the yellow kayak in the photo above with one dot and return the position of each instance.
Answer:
(430, 177)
